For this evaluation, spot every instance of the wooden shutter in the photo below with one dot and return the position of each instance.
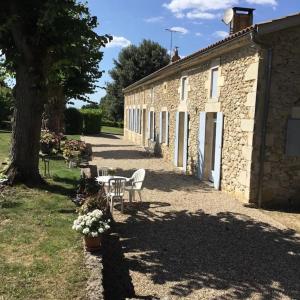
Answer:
(176, 139)
(149, 124)
(167, 128)
(218, 150)
(185, 141)
(138, 121)
(201, 144)
(160, 127)
(153, 127)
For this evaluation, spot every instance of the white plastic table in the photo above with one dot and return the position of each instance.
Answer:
(105, 179)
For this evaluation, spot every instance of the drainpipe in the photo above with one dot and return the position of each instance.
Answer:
(262, 152)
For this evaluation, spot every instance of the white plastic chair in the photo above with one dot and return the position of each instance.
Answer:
(136, 184)
(115, 191)
(103, 171)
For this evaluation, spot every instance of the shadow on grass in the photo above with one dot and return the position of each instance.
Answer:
(65, 180)
(111, 146)
(228, 252)
(105, 135)
(58, 189)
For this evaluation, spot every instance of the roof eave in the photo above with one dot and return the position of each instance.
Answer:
(193, 59)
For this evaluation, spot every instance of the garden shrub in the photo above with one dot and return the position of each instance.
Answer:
(110, 123)
(91, 120)
(73, 121)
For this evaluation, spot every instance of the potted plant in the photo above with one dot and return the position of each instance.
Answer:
(92, 226)
(49, 140)
(73, 151)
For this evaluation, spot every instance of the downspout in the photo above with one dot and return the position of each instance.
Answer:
(262, 152)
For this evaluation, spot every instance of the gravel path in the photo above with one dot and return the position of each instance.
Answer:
(187, 241)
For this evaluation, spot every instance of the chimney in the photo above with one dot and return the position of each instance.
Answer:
(238, 18)
(175, 56)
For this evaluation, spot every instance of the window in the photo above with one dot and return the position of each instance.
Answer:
(128, 111)
(152, 95)
(183, 91)
(164, 127)
(138, 121)
(152, 126)
(292, 140)
(214, 83)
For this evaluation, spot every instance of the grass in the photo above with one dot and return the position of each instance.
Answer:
(112, 130)
(4, 144)
(40, 256)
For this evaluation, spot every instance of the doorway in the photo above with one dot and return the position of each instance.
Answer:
(181, 140)
(210, 147)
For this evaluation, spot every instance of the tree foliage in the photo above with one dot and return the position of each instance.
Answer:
(134, 63)
(46, 43)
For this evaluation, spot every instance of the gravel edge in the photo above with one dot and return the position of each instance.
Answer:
(94, 287)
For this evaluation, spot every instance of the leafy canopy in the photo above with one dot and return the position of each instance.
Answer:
(134, 63)
(57, 38)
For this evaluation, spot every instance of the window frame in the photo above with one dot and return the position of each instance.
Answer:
(184, 88)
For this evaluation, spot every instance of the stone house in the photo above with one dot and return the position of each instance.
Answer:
(230, 113)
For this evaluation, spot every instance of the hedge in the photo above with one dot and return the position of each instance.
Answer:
(109, 123)
(91, 120)
(73, 121)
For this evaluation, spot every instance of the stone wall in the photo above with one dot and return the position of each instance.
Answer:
(237, 87)
(281, 180)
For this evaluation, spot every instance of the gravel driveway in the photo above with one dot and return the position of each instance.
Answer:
(188, 241)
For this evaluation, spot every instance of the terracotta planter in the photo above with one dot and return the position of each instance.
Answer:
(92, 244)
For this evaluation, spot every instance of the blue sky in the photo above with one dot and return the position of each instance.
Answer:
(130, 21)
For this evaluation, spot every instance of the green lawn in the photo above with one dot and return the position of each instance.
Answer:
(40, 256)
(112, 130)
(4, 144)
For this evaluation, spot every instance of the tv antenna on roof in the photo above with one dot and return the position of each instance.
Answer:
(228, 16)
(171, 42)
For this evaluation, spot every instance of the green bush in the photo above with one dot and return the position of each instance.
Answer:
(73, 121)
(6, 107)
(91, 120)
(110, 123)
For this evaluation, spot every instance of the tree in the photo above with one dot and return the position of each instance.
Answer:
(36, 37)
(6, 99)
(134, 63)
(75, 77)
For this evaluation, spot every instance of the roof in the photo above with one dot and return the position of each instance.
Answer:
(260, 29)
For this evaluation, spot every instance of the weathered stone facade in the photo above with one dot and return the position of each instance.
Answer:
(240, 94)
(281, 173)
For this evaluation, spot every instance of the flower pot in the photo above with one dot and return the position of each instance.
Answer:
(92, 244)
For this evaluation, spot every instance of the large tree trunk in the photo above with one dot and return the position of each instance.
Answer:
(30, 98)
(55, 110)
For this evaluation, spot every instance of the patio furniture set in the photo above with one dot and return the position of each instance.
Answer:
(116, 186)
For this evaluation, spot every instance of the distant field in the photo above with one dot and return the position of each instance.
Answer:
(112, 130)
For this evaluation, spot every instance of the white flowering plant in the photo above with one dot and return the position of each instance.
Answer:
(91, 224)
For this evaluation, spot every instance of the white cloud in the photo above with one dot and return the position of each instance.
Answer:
(180, 29)
(119, 41)
(200, 15)
(220, 34)
(204, 9)
(263, 2)
(198, 34)
(154, 19)
(178, 6)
